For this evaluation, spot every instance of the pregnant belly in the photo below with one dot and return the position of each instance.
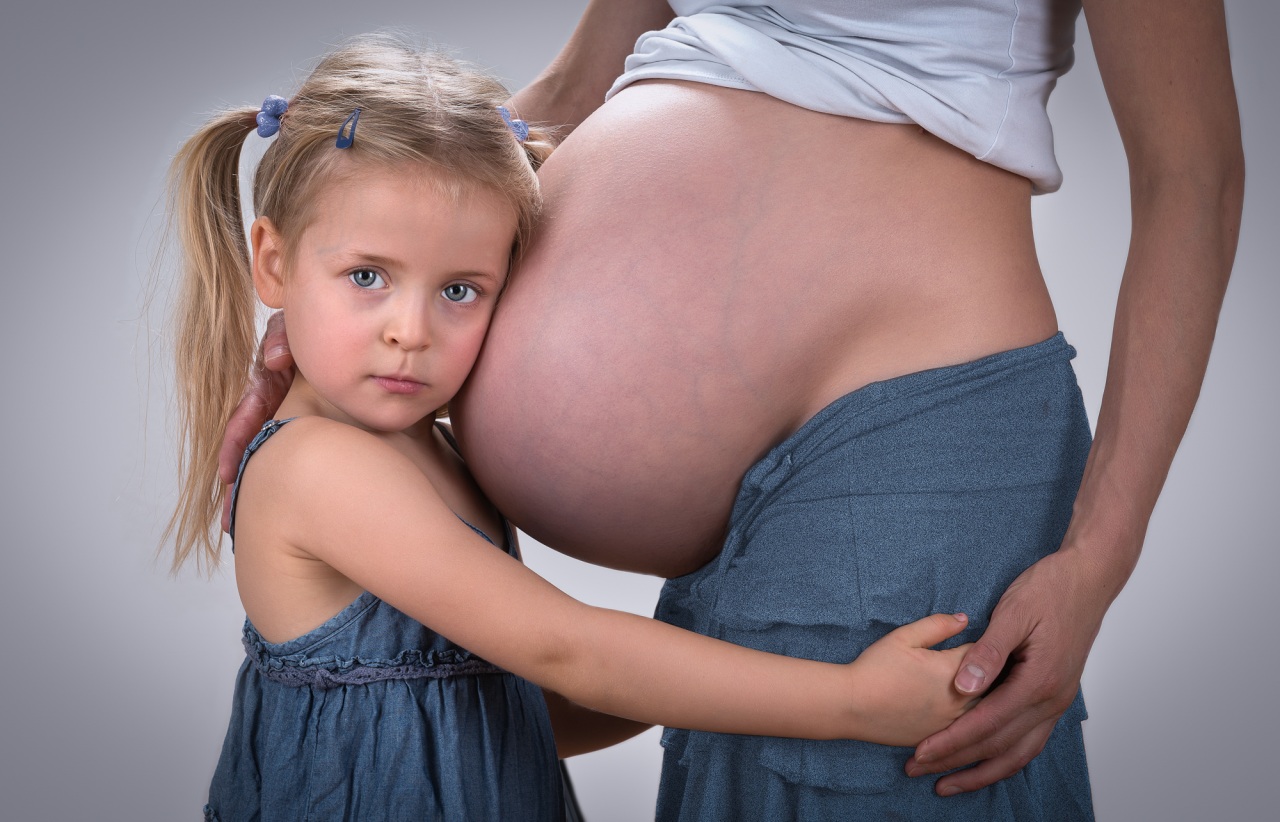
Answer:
(715, 266)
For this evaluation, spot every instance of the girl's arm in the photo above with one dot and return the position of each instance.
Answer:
(1167, 73)
(353, 502)
(574, 85)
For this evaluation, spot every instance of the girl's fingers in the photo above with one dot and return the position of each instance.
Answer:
(927, 632)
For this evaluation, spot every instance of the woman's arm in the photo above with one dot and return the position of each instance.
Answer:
(574, 85)
(581, 730)
(351, 501)
(1167, 72)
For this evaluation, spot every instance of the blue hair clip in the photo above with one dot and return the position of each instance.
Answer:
(269, 115)
(347, 131)
(518, 127)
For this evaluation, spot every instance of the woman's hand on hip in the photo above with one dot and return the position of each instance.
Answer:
(269, 381)
(1042, 629)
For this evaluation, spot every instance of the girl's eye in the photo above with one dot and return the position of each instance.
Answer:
(366, 278)
(460, 293)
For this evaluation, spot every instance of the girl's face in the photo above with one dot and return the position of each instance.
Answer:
(387, 295)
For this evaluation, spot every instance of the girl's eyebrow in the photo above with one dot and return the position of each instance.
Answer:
(350, 256)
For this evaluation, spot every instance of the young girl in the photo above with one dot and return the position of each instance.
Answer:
(389, 205)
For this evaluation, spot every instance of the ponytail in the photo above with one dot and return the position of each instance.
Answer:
(215, 323)
(539, 145)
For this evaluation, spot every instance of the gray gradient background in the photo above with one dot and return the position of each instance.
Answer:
(117, 679)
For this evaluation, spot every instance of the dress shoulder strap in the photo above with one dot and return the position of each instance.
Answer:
(264, 434)
(449, 437)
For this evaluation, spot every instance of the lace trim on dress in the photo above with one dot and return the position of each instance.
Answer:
(334, 673)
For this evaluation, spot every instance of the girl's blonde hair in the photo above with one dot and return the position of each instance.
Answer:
(417, 106)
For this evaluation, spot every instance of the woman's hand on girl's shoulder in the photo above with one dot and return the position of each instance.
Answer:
(269, 381)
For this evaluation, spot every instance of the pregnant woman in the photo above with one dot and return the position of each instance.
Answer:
(782, 338)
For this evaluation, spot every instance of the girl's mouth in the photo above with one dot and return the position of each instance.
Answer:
(395, 385)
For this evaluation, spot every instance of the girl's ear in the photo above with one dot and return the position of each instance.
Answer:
(268, 262)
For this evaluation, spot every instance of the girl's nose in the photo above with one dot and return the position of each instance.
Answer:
(409, 328)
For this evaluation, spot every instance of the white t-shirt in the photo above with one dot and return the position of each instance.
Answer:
(976, 73)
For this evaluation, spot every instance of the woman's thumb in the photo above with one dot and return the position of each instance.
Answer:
(984, 659)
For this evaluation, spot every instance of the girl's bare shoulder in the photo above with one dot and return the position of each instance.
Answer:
(318, 444)
(313, 461)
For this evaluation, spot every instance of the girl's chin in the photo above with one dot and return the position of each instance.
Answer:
(378, 417)
(391, 423)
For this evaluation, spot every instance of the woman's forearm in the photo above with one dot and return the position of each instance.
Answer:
(1185, 228)
(1167, 72)
(580, 730)
(575, 82)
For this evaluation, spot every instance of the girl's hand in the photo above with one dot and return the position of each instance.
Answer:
(903, 690)
(269, 381)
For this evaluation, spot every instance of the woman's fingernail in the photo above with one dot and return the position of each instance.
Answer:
(277, 352)
(950, 790)
(961, 617)
(970, 678)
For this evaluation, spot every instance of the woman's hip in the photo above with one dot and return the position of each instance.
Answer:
(925, 493)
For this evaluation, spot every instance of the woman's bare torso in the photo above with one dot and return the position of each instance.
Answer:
(714, 267)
